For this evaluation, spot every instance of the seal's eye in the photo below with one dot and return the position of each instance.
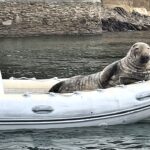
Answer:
(136, 48)
(144, 59)
(136, 51)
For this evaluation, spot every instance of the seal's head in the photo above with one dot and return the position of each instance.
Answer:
(139, 54)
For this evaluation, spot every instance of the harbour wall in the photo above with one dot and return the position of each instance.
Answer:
(47, 17)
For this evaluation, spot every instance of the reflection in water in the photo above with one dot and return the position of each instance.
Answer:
(64, 56)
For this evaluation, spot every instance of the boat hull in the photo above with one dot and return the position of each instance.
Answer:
(49, 124)
(102, 107)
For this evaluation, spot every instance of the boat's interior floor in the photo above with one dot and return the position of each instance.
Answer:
(24, 86)
(18, 86)
(22, 91)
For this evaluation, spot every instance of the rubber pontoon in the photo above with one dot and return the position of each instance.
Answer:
(37, 110)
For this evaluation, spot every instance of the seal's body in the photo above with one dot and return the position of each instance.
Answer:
(134, 67)
(78, 83)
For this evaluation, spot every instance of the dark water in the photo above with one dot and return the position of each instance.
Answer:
(64, 56)
(45, 57)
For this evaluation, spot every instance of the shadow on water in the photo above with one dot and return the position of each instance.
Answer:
(64, 56)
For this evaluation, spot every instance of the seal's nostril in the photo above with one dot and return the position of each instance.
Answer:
(144, 59)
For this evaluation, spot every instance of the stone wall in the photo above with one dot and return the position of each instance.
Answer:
(20, 18)
(47, 17)
(132, 3)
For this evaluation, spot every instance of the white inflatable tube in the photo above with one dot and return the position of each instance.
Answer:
(112, 106)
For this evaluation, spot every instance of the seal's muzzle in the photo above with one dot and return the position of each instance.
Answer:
(144, 59)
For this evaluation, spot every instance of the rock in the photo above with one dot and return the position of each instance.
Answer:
(18, 19)
(142, 11)
(75, 17)
(121, 11)
(118, 19)
(7, 22)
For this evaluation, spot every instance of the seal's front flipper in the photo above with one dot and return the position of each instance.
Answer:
(56, 88)
(107, 73)
(127, 80)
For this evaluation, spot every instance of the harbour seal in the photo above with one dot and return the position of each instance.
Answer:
(135, 66)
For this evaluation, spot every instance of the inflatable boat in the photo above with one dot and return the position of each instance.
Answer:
(26, 104)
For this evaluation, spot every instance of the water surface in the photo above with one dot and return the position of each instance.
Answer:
(65, 56)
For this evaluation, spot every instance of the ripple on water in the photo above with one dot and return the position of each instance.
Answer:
(111, 137)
